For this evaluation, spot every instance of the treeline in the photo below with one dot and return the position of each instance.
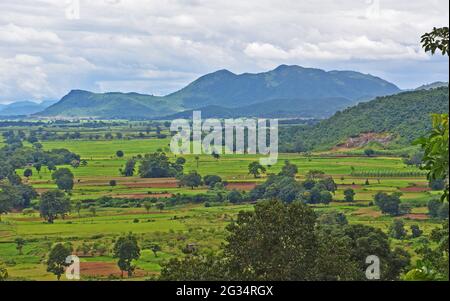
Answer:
(13, 193)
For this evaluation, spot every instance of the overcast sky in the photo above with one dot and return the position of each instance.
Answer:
(48, 47)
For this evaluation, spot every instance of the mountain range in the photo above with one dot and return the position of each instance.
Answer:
(24, 108)
(287, 91)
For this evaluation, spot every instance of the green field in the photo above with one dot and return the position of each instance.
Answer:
(175, 227)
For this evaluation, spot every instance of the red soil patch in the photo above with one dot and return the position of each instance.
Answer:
(136, 196)
(367, 212)
(415, 189)
(241, 186)
(417, 216)
(105, 269)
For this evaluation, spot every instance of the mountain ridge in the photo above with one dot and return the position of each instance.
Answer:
(294, 85)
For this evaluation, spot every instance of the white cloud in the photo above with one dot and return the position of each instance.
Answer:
(157, 47)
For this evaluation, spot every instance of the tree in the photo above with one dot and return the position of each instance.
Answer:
(416, 231)
(180, 161)
(437, 184)
(234, 197)
(6, 204)
(329, 184)
(436, 40)
(63, 178)
(365, 240)
(147, 206)
(436, 145)
(436, 151)
(284, 242)
(437, 209)
(257, 253)
(255, 169)
(27, 173)
(75, 163)
(78, 205)
(397, 229)
(113, 183)
(289, 169)
(38, 167)
(155, 249)
(415, 159)
(129, 169)
(51, 166)
(20, 243)
(52, 203)
(65, 183)
(332, 218)
(215, 155)
(157, 165)
(212, 180)
(120, 154)
(326, 197)
(160, 206)
(197, 160)
(93, 210)
(56, 262)
(192, 179)
(369, 152)
(126, 249)
(349, 195)
(388, 204)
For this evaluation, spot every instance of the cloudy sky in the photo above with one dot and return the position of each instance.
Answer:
(48, 47)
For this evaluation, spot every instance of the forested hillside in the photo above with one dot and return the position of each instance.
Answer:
(405, 115)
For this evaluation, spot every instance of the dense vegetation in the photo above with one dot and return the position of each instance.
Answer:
(406, 115)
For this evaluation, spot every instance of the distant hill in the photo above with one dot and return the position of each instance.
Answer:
(275, 108)
(226, 89)
(24, 108)
(80, 103)
(405, 117)
(432, 86)
(295, 90)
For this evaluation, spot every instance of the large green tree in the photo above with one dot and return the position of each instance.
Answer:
(435, 145)
(56, 262)
(63, 178)
(54, 203)
(126, 249)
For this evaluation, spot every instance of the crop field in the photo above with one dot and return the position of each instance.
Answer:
(177, 226)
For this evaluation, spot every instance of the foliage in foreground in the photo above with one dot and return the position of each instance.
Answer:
(284, 242)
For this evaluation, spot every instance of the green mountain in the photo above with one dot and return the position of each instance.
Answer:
(80, 103)
(296, 91)
(405, 117)
(227, 89)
